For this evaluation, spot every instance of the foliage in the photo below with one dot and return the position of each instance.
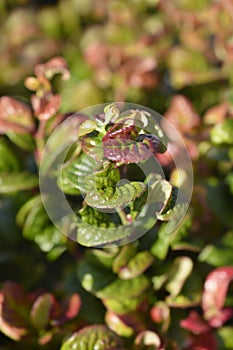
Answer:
(165, 290)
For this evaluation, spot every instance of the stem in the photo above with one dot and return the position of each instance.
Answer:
(40, 139)
(123, 217)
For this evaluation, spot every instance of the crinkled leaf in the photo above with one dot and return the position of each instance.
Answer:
(75, 174)
(125, 151)
(122, 196)
(40, 312)
(14, 311)
(93, 337)
(121, 131)
(14, 182)
(223, 133)
(94, 217)
(102, 179)
(137, 265)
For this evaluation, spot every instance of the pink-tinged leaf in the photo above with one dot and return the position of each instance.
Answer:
(15, 116)
(68, 310)
(45, 107)
(204, 341)
(195, 323)
(214, 294)
(40, 312)
(125, 151)
(14, 311)
(153, 143)
(56, 65)
(122, 131)
(223, 316)
(216, 114)
(182, 114)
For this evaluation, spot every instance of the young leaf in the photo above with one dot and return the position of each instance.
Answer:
(93, 337)
(125, 151)
(122, 196)
(223, 133)
(102, 179)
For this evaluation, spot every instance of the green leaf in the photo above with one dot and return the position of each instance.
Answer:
(103, 283)
(97, 337)
(126, 252)
(75, 174)
(136, 266)
(40, 312)
(94, 217)
(123, 196)
(86, 127)
(23, 141)
(106, 177)
(38, 227)
(8, 160)
(119, 289)
(118, 324)
(223, 133)
(225, 333)
(217, 256)
(14, 182)
(125, 306)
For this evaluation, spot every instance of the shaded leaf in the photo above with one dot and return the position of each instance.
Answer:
(8, 160)
(136, 265)
(40, 312)
(13, 182)
(14, 311)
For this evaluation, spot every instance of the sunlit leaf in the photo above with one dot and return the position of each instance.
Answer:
(93, 337)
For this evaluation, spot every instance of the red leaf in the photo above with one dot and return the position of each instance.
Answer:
(14, 311)
(121, 131)
(15, 116)
(204, 341)
(182, 114)
(45, 107)
(56, 65)
(125, 151)
(195, 323)
(214, 295)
